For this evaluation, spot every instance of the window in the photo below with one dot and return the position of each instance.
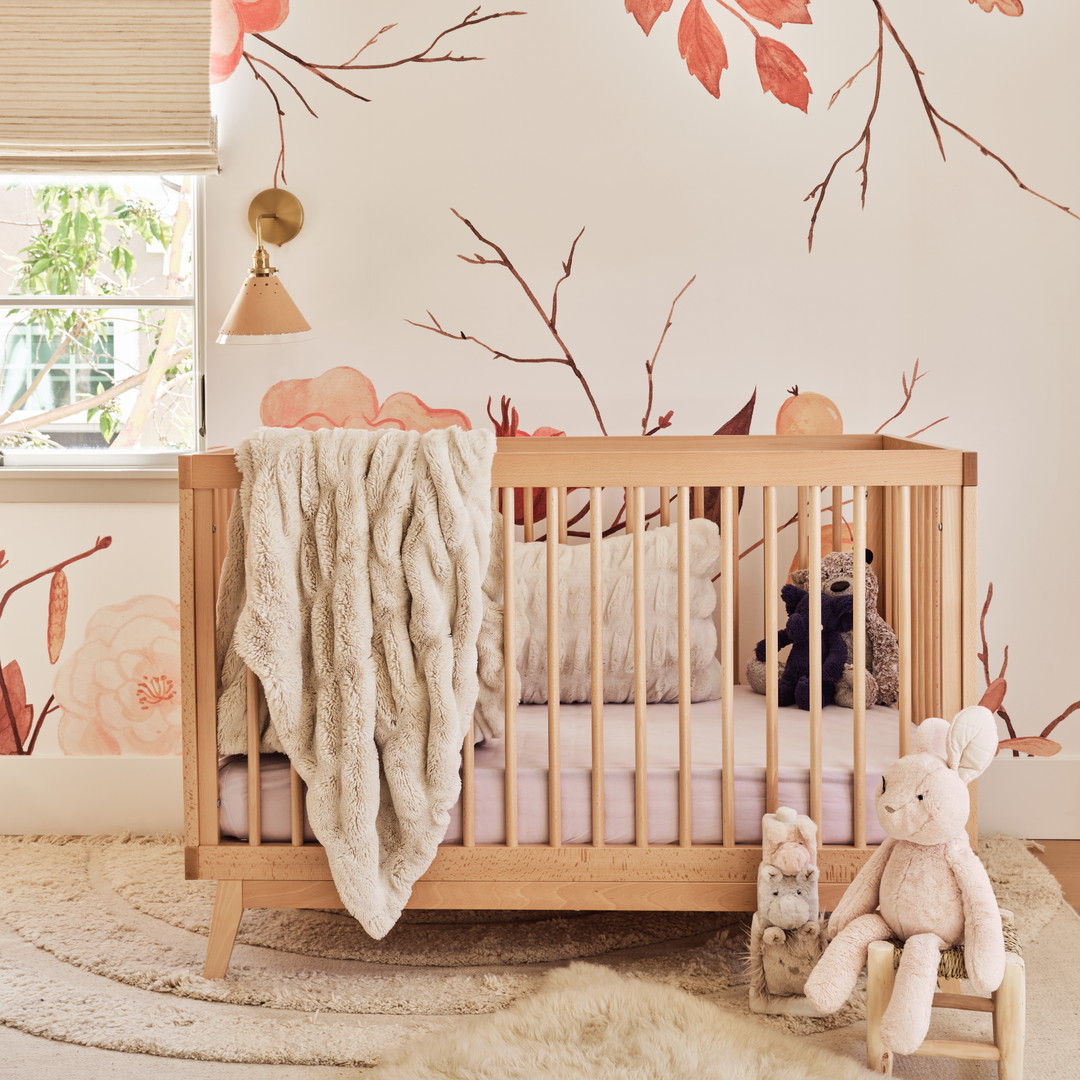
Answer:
(98, 318)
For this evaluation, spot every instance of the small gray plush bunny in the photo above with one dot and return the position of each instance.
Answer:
(787, 935)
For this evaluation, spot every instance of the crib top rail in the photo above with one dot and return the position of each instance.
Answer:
(689, 460)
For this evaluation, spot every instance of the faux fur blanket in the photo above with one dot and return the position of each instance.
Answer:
(353, 589)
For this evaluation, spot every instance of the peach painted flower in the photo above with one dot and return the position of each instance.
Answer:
(120, 692)
(345, 398)
(230, 20)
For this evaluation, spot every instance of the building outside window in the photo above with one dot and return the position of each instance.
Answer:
(98, 319)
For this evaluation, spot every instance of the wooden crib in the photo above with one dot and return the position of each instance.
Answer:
(912, 504)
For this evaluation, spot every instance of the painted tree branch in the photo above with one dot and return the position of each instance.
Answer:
(279, 165)
(100, 544)
(851, 82)
(549, 318)
(665, 420)
(1040, 745)
(423, 56)
(818, 193)
(934, 117)
(909, 390)
(984, 657)
(50, 706)
(474, 18)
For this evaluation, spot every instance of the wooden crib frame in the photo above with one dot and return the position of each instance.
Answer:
(912, 504)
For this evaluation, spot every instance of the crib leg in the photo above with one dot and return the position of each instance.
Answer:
(225, 921)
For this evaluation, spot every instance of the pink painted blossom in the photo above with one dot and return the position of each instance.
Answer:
(120, 691)
(345, 398)
(230, 20)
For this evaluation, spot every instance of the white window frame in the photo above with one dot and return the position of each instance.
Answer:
(16, 480)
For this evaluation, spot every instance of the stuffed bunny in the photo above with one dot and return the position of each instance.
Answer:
(924, 885)
(788, 841)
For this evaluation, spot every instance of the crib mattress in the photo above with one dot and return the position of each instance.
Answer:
(619, 773)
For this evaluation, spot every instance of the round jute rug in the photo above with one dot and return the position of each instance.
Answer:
(102, 942)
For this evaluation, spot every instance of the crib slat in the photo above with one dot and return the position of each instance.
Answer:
(802, 508)
(951, 593)
(509, 671)
(254, 762)
(296, 806)
(699, 502)
(468, 788)
(903, 609)
(628, 496)
(641, 758)
(923, 609)
(205, 665)
(837, 519)
(727, 663)
(938, 603)
(918, 586)
(887, 574)
(737, 665)
(814, 584)
(665, 506)
(686, 821)
(858, 661)
(528, 524)
(596, 650)
(562, 515)
(554, 767)
(772, 659)
(222, 504)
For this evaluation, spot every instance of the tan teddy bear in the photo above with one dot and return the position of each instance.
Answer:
(882, 648)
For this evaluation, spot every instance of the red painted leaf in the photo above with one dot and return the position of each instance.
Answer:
(1032, 744)
(782, 73)
(24, 714)
(739, 424)
(702, 47)
(777, 12)
(648, 11)
(1006, 7)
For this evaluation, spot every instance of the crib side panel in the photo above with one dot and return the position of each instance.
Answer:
(924, 560)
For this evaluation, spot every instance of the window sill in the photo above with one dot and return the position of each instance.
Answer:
(87, 484)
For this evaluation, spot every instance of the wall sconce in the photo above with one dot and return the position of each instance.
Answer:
(263, 312)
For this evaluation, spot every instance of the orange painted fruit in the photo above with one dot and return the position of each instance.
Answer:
(808, 414)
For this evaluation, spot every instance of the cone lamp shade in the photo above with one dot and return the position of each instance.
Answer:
(263, 312)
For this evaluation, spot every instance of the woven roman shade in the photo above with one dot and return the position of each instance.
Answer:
(105, 86)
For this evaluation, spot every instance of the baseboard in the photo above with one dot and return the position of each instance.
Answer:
(1034, 797)
(83, 796)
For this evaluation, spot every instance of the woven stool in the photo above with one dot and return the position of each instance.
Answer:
(1006, 1004)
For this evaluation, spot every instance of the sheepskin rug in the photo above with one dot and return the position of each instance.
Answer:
(588, 1022)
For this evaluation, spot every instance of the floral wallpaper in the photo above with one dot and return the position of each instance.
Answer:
(119, 692)
(632, 217)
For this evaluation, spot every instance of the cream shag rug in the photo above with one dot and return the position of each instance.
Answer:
(101, 944)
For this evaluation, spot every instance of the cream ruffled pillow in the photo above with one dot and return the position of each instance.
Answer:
(661, 621)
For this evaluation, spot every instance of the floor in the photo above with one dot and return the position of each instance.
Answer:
(30, 1058)
(1062, 858)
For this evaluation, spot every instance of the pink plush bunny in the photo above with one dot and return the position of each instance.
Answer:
(924, 885)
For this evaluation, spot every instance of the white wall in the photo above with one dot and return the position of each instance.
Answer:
(575, 118)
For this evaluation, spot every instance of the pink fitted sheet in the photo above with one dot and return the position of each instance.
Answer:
(575, 723)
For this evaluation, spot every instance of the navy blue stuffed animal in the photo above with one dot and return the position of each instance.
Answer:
(836, 618)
